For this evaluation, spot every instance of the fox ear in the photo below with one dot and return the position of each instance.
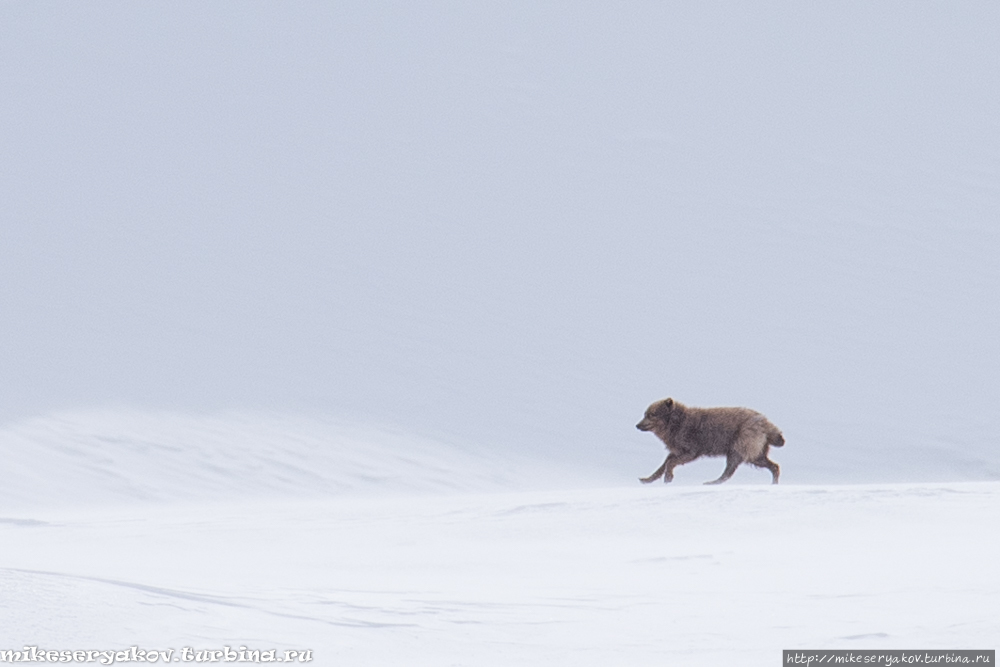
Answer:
(669, 403)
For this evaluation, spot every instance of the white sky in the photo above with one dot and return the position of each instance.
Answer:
(512, 223)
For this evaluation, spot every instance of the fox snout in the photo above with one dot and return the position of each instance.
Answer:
(644, 425)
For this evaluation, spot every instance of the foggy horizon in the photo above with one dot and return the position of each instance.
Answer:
(511, 229)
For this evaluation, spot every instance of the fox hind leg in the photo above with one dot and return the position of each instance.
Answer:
(733, 461)
(764, 462)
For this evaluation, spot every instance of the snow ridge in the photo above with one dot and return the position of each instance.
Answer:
(110, 457)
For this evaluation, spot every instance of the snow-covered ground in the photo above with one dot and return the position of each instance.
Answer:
(375, 570)
(126, 457)
(325, 326)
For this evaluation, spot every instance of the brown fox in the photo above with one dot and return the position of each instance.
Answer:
(739, 434)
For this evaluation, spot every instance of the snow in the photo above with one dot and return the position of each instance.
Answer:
(446, 565)
(326, 325)
(587, 577)
(126, 457)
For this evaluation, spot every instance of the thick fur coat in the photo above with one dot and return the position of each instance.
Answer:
(739, 434)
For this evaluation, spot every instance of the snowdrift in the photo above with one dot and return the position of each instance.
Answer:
(369, 547)
(122, 457)
(637, 576)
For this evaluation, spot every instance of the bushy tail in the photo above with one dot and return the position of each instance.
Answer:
(775, 439)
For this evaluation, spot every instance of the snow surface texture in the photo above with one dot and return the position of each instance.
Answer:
(116, 458)
(639, 576)
(231, 232)
(374, 549)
